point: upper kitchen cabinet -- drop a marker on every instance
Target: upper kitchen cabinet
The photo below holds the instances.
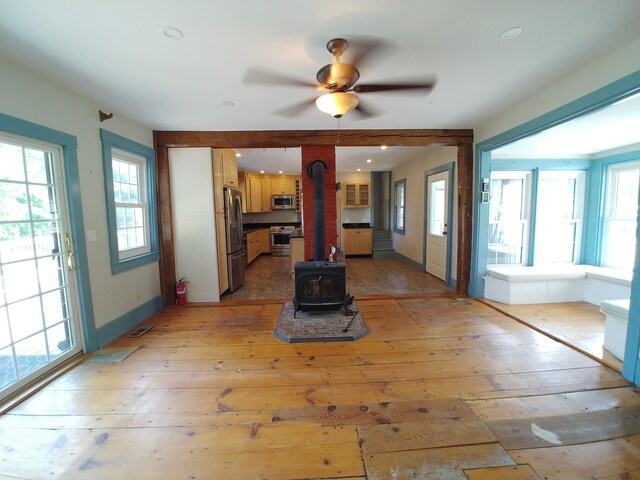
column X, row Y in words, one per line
column 229, row 167
column 257, row 194
column 285, row 185
column 356, row 195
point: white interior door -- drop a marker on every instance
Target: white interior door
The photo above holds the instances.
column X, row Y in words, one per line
column 437, row 215
column 38, row 315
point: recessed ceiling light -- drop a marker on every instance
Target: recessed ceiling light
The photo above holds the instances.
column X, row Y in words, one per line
column 358, row 170
column 280, row 171
column 228, row 104
column 261, row 171
column 510, row 33
column 238, row 155
column 383, row 147
column 173, row 32
column 368, row 160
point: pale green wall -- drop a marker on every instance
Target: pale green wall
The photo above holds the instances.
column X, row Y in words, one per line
column 31, row 97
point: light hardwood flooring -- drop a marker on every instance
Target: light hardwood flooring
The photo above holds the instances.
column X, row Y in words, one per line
column 579, row 324
column 269, row 277
column 441, row 388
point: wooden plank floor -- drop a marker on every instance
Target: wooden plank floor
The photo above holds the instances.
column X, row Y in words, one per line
column 441, row 388
column 579, row 324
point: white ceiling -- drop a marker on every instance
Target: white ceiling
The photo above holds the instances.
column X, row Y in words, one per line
column 116, row 53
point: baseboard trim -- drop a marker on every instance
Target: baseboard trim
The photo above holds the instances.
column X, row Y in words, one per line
column 126, row 322
column 409, row 261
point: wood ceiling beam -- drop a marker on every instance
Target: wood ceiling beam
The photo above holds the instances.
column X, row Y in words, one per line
column 297, row 138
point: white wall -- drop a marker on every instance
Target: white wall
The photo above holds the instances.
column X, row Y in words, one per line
column 33, row 98
column 614, row 66
column 411, row 244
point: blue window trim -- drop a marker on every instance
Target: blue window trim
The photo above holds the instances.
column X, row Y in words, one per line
column 69, row 145
column 396, row 184
column 109, row 142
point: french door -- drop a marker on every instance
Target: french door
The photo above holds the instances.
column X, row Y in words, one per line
column 39, row 326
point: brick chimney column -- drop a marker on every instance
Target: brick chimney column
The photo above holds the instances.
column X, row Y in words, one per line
column 326, row 153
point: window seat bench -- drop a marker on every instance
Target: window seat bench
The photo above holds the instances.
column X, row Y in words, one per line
column 615, row 327
column 556, row 283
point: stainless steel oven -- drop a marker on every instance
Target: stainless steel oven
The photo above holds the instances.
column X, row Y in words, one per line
column 280, row 240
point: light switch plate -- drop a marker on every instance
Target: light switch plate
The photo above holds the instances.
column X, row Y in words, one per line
column 92, row 236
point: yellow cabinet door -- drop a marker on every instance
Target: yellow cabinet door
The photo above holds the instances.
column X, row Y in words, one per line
column 356, row 195
column 230, row 171
column 283, row 185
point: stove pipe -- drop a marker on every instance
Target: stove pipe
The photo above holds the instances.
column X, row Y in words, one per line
column 316, row 171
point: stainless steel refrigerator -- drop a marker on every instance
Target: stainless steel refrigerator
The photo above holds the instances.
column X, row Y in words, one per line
column 236, row 251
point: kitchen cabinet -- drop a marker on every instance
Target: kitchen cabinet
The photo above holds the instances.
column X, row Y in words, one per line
column 258, row 242
column 258, row 194
column 223, row 272
column 227, row 164
column 230, row 170
column 357, row 241
column 218, row 184
column 264, row 240
column 252, row 246
column 283, row 185
column 296, row 244
column 356, row 195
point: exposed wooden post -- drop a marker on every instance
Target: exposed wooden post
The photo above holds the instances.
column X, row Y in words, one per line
column 465, row 213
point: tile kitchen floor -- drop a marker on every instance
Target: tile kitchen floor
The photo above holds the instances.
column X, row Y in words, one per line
column 268, row 277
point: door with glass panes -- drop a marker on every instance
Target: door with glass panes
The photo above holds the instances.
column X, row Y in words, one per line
column 38, row 314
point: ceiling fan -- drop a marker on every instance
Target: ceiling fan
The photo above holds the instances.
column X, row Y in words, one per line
column 339, row 80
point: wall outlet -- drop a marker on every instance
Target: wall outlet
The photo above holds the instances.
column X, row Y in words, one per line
column 346, row 220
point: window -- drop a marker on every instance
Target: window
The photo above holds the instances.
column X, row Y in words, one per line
column 558, row 217
column 621, row 214
column 399, row 199
column 130, row 192
column 508, row 218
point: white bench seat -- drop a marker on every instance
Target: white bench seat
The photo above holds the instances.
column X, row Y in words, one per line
column 556, row 283
column 615, row 328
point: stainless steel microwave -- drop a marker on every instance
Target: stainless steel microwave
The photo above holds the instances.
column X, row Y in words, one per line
column 283, row 202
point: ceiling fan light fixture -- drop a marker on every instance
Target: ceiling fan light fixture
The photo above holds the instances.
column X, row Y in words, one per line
column 337, row 104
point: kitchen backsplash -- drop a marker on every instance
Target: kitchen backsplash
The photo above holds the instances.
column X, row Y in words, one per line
column 271, row 217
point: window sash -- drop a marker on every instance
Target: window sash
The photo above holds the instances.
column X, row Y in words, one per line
column 399, row 195
column 131, row 205
column 620, row 216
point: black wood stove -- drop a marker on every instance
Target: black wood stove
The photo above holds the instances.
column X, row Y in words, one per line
column 320, row 284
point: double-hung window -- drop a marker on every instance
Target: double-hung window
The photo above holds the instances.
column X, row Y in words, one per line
column 559, row 209
column 621, row 215
column 509, row 217
column 130, row 192
column 399, row 197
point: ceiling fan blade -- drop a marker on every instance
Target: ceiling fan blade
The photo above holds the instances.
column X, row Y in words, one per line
column 264, row 77
column 296, row 109
column 386, row 87
column 363, row 50
column 364, row 110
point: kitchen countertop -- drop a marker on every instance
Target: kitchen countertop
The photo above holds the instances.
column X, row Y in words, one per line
column 247, row 227
column 356, row 225
column 297, row 233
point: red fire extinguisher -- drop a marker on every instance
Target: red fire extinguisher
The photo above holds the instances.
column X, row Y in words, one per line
column 181, row 291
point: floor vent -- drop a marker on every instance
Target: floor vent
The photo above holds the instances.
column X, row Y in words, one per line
column 140, row 331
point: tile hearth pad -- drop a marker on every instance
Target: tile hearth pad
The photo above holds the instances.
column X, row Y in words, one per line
column 324, row 326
